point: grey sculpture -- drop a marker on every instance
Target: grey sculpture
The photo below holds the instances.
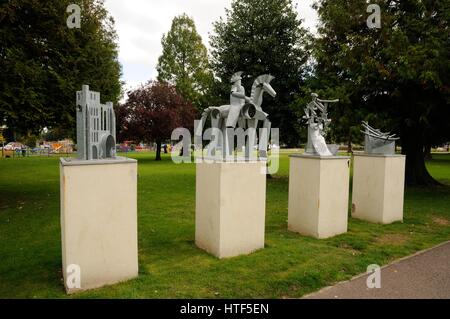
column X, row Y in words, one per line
column 96, row 126
column 316, row 116
column 243, row 112
column 377, row 142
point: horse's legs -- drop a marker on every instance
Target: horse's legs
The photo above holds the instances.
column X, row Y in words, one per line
column 251, row 131
column 223, row 142
column 215, row 121
column 264, row 138
column 199, row 131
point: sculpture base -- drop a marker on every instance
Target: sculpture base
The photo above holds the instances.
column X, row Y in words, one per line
column 378, row 187
column 98, row 221
column 230, row 207
column 318, row 195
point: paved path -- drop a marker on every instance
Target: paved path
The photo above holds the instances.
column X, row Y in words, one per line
column 423, row 275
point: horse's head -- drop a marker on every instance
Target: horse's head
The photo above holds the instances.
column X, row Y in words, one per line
column 269, row 89
column 261, row 85
column 263, row 82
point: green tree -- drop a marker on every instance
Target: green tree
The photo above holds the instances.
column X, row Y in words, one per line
column 264, row 36
column 184, row 62
column 43, row 62
column 397, row 77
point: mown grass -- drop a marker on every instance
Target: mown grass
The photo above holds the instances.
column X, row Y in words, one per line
column 171, row 266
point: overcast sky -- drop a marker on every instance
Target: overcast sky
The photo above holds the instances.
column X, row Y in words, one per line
column 140, row 25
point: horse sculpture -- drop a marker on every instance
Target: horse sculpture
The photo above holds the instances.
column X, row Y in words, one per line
column 242, row 115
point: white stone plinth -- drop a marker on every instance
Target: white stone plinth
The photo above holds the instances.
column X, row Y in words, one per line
column 99, row 221
column 378, row 187
column 230, row 207
column 318, row 195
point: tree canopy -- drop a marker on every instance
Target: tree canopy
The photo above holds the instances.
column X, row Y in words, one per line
column 258, row 37
column 397, row 76
column 152, row 112
column 43, row 62
column 184, row 62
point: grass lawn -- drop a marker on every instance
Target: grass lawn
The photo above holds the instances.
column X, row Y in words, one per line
column 171, row 266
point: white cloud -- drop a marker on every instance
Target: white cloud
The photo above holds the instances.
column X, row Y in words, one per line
column 140, row 25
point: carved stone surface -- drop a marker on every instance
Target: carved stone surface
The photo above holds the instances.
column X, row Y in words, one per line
column 96, row 126
column 318, row 195
column 378, row 187
column 377, row 142
column 244, row 113
column 316, row 115
column 99, row 221
column 230, row 219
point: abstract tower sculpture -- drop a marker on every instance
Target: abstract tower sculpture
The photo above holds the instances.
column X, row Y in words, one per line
column 96, row 126
column 377, row 142
column 316, row 115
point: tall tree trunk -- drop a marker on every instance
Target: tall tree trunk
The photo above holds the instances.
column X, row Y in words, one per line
column 349, row 143
column 158, row 150
column 427, row 152
column 416, row 172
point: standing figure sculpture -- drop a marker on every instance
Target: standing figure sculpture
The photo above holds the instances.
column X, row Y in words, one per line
column 96, row 126
column 243, row 112
column 316, row 115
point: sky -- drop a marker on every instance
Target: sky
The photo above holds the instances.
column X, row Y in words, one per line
column 140, row 25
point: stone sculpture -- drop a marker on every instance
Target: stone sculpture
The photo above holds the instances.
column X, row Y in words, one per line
column 243, row 112
column 316, row 116
column 96, row 126
column 377, row 142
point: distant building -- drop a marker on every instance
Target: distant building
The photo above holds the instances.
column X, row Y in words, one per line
column 96, row 126
column 62, row 146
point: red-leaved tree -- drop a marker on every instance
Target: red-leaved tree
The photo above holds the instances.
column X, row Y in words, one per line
column 152, row 112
